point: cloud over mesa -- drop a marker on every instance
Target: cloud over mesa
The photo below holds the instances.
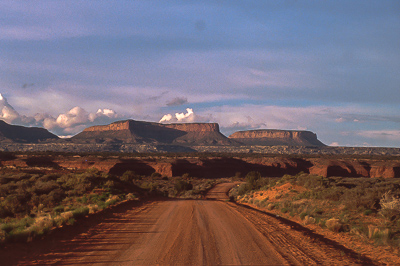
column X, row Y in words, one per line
column 68, row 123
column 179, row 117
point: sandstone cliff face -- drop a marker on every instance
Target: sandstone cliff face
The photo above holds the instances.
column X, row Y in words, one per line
column 131, row 124
column 117, row 126
column 132, row 131
column 277, row 137
column 194, row 127
column 216, row 167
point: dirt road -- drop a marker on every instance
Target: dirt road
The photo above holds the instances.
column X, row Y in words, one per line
column 192, row 232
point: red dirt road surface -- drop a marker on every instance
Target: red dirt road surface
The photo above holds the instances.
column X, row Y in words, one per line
column 185, row 232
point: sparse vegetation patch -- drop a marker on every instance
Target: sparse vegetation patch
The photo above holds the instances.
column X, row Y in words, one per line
column 366, row 207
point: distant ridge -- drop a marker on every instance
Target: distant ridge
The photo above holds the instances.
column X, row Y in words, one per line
column 141, row 132
column 131, row 135
column 20, row 134
column 275, row 137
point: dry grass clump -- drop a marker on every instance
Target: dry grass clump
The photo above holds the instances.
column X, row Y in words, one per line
column 366, row 207
column 390, row 206
column 131, row 196
column 63, row 218
column 93, row 208
column 333, row 224
column 42, row 223
column 309, row 220
column 380, row 234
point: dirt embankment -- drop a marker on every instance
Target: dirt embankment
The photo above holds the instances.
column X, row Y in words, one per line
column 215, row 167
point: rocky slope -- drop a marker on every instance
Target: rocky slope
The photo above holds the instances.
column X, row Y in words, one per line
column 11, row 133
column 273, row 137
column 131, row 131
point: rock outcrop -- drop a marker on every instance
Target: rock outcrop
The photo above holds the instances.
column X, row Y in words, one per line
column 20, row 134
column 131, row 131
column 273, row 137
column 211, row 167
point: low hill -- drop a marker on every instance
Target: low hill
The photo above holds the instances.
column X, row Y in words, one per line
column 274, row 137
column 20, row 134
column 141, row 132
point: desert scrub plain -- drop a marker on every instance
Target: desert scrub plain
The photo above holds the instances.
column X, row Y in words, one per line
column 34, row 203
column 364, row 209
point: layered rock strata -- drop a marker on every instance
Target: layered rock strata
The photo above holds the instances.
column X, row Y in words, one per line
column 131, row 131
column 274, row 137
column 216, row 167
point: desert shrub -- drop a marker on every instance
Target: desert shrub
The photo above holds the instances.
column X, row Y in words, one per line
column 93, row 208
column 99, row 198
column 254, row 181
column 185, row 176
column 390, row 206
column 128, row 176
column 368, row 212
column 284, row 210
column 303, row 215
column 309, row 220
column 80, row 212
column 130, row 196
column 379, row 235
column 13, row 205
column 256, row 202
column 63, row 218
column 59, row 209
column 334, row 193
column 312, row 181
column 57, row 195
column 155, row 175
column 112, row 200
column 42, row 224
column 359, row 197
column 109, row 184
column 182, row 185
column 263, row 202
column 244, row 188
column 6, row 189
column 334, row 224
column 149, row 186
column 322, row 223
column 48, row 177
column 252, row 178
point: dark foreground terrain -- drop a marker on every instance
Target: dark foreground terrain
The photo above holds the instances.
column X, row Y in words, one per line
column 183, row 232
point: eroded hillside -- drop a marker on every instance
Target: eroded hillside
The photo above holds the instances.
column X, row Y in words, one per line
column 213, row 167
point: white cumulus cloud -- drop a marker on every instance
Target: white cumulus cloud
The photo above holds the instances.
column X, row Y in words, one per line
column 69, row 123
column 166, row 118
column 189, row 116
column 7, row 113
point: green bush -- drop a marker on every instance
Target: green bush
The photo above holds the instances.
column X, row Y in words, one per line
column 129, row 176
column 59, row 209
column 80, row 212
column 252, row 178
column 182, row 185
column 155, row 175
column 284, row 210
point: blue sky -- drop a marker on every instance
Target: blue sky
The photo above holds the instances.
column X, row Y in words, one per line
column 332, row 67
